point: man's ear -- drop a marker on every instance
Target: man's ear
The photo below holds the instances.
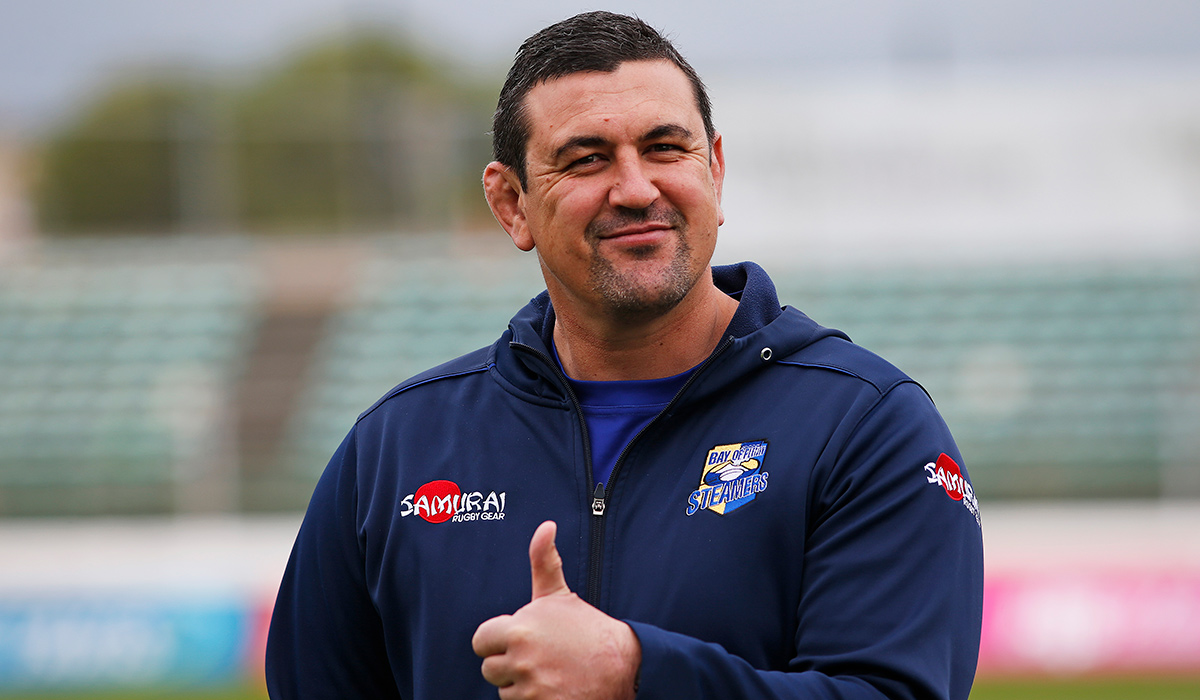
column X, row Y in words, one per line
column 716, row 164
column 506, row 199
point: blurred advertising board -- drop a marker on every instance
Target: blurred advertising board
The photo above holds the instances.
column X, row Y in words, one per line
column 99, row 642
column 1128, row 623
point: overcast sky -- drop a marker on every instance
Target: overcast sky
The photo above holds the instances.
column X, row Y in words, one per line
column 54, row 53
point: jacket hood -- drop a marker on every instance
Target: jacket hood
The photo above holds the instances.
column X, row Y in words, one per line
column 760, row 332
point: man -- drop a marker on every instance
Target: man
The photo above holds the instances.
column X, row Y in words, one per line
column 714, row 496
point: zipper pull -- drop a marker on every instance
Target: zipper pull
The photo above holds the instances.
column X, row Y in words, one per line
column 598, row 500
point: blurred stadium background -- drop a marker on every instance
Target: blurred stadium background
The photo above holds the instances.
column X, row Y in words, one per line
column 226, row 229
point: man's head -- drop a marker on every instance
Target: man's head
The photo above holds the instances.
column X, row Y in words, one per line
column 593, row 41
column 619, row 188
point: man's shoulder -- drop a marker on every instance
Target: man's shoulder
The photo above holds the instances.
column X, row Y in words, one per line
column 475, row 362
column 838, row 354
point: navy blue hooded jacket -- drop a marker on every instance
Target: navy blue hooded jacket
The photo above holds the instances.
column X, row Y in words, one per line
column 795, row 524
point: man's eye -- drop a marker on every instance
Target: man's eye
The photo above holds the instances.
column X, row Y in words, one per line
column 586, row 160
column 665, row 148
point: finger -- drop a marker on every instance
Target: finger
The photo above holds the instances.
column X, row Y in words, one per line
column 545, row 564
column 496, row 670
column 492, row 636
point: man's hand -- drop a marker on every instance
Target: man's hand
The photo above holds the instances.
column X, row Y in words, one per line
column 557, row 646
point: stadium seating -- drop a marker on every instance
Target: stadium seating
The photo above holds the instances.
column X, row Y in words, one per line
column 120, row 363
column 1055, row 382
column 115, row 367
column 409, row 314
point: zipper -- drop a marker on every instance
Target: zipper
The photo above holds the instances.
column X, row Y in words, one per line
column 598, row 500
column 602, row 492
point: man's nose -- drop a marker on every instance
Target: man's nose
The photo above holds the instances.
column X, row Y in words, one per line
column 633, row 188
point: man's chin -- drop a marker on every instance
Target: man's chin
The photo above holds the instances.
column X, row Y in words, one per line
column 643, row 291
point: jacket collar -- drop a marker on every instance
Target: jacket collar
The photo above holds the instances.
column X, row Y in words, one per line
column 523, row 359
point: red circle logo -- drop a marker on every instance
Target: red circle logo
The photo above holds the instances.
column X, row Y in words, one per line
column 437, row 501
column 950, row 477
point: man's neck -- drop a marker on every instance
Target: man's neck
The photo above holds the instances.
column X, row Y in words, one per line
column 606, row 349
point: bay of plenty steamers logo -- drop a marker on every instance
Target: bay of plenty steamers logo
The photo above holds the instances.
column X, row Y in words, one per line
column 733, row 476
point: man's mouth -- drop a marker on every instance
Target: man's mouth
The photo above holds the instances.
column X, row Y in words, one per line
column 644, row 227
column 649, row 230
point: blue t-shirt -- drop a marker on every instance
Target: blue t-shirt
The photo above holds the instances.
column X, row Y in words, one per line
column 616, row 411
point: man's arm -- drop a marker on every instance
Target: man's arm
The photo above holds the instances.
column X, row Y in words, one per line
column 326, row 639
column 891, row 597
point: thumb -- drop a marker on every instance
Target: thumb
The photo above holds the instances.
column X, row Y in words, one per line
column 545, row 564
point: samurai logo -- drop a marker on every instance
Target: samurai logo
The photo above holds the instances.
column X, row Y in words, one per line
column 946, row 473
column 732, row 477
column 440, row 501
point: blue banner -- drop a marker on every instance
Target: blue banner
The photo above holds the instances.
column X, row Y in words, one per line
column 49, row 643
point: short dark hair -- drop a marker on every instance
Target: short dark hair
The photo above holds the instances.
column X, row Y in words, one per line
column 591, row 41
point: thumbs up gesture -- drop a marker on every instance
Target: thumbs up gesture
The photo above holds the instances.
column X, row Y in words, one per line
column 557, row 646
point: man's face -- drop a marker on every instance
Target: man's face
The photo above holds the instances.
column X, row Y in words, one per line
column 623, row 196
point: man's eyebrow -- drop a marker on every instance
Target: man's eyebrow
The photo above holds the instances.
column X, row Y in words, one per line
column 579, row 142
column 668, row 131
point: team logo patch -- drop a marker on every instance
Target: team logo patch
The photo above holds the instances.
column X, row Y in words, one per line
column 946, row 473
column 441, row 500
column 733, row 476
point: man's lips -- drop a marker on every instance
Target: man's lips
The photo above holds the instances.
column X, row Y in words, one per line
column 638, row 231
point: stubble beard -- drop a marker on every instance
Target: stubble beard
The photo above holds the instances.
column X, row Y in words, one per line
column 641, row 292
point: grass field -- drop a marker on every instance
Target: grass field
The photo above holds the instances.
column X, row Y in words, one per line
column 237, row 693
column 985, row 689
column 1088, row 689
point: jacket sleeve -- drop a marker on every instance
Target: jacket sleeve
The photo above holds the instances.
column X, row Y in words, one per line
column 892, row 592
column 326, row 638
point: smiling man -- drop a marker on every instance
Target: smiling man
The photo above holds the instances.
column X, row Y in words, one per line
column 713, row 495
